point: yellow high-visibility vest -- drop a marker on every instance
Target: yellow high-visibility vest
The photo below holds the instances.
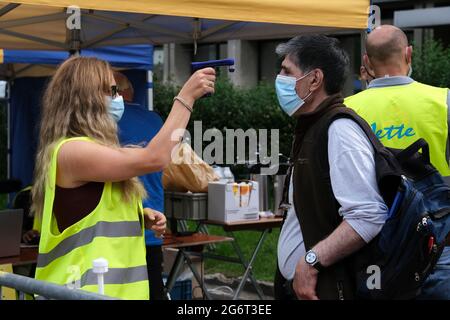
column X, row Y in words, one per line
column 114, row 230
column 399, row 115
column 37, row 223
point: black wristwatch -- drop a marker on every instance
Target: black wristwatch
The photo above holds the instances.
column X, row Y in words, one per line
column 312, row 259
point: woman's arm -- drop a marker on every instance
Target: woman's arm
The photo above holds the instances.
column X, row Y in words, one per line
column 83, row 161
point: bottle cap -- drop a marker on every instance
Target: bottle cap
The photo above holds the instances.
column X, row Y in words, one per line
column 100, row 265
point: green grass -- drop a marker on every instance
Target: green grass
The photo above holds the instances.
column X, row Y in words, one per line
column 3, row 201
column 266, row 261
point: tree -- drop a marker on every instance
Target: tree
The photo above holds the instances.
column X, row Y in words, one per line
column 431, row 64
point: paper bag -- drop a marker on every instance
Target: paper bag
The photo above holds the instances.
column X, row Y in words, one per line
column 187, row 172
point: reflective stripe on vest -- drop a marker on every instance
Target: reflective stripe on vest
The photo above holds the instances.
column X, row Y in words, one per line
column 113, row 230
column 400, row 115
column 86, row 236
column 116, row 276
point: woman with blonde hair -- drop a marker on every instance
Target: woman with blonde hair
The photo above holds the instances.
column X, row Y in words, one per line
column 86, row 192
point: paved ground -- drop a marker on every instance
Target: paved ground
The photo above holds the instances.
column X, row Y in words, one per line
column 222, row 288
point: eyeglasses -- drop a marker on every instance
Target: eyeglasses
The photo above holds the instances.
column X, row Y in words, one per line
column 114, row 91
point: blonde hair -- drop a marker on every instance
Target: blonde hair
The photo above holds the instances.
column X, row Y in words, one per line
column 74, row 105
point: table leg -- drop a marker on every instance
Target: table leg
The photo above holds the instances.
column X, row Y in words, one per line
column 248, row 266
column 174, row 271
column 204, row 229
column 196, row 275
column 183, row 225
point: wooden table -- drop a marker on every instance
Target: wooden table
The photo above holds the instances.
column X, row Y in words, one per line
column 195, row 240
column 27, row 255
column 263, row 225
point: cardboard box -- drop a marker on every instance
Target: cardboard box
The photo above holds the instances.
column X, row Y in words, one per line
column 231, row 202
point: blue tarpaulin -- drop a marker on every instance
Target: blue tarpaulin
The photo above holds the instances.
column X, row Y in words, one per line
column 26, row 94
column 130, row 57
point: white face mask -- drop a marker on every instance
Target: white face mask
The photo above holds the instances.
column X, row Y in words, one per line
column 288, row 98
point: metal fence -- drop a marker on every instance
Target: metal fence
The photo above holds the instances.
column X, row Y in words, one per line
column 44, row 290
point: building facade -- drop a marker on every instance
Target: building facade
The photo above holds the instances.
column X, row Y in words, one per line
column 256, row 61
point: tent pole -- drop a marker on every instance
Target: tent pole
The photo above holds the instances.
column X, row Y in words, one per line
column 363, row 38
column 32, row 38
column 211, row 31
column 140, row 25
column 73, row 41
column 9, row 7
column 8, row 132
column 105, row 36
column 150, row 90
column 73, row 37
column 33, row 20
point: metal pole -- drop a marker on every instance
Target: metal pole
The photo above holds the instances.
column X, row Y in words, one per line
column 177, row 265
column 47, row 289
column 363, row 37
column 8, row 133
column 183, row 225
column 150, row 90
column 196, row 275
column 248, row 266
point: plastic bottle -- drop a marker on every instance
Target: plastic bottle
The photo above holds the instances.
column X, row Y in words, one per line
column 228, row 175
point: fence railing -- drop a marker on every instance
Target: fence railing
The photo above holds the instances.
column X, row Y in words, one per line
column 24, row 285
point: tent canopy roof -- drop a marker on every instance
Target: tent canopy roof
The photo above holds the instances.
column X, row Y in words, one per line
column 23, row 63
column 137, row 56
column 41, row 24
column 331, row 13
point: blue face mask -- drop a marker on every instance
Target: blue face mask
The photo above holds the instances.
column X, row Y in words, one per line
column 289, row 101
column 116, row 107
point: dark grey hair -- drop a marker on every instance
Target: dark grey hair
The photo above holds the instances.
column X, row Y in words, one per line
column 310, row 52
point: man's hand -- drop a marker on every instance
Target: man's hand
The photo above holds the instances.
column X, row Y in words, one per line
column 305, row 281
column 155, row 221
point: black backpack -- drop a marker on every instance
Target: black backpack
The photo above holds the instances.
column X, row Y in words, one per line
column 398, row 261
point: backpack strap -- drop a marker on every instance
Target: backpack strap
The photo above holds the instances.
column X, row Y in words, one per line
column 388, row 168
column 409, row 152
column 284, row 205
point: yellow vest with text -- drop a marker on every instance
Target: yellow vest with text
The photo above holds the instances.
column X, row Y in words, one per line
column 114, row 230
column 399, row 115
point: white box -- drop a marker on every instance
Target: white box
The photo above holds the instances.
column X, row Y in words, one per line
column 227, row 204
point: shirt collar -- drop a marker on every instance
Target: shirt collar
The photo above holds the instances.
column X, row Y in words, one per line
column 390, row 81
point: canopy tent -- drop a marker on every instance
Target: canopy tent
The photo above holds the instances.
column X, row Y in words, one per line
column 27, row 89
column 34, row 63
column 129, row 57
column 41, row 24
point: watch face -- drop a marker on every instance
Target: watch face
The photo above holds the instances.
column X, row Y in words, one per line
column 311, row 257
